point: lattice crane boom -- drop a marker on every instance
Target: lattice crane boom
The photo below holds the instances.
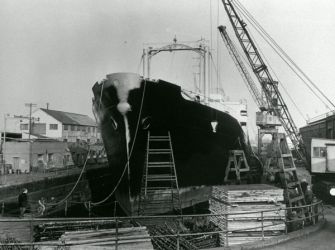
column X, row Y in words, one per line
column 256, row 95
column 275, row 100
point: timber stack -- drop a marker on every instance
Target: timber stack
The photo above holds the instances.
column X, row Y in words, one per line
column 243, row 205
column 126, row 238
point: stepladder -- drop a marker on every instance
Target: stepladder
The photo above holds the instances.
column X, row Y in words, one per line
column 237, row 164
column 159, row 187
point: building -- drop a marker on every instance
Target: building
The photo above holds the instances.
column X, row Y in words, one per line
column 63, row 126
column 34, row 155
column 321, row 128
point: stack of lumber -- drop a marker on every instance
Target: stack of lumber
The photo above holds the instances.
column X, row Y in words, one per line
column 132, row 238
column 53, row 230
column 243, row 204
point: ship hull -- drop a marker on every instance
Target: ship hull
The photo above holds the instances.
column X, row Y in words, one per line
column 127, row 107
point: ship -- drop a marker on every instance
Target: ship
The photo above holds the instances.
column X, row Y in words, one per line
column 128, row 106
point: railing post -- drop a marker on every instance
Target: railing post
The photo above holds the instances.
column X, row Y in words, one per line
column 323, row 211
column 226, row 224
column 115, row 208
column 31, row 230
column 262, row 221
column 116, row 233
column 65, row 209
column 2, row 208
column 178, row 243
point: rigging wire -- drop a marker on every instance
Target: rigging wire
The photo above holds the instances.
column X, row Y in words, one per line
column 274, row 72
column 216, row 71
column 281, row 53
column 139, row 65
column 217, row 46
column 211, row 46
column 131, row 151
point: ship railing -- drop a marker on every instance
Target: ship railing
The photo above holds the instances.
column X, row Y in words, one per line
column 178, row 238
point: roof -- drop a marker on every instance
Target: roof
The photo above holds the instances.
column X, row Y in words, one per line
column 70, row 118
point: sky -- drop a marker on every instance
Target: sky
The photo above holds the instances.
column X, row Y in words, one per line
column 53, row 51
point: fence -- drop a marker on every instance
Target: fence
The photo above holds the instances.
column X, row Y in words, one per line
column 177, row 238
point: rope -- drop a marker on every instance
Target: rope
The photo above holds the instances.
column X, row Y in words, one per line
column 75, row 185
column 131, row 151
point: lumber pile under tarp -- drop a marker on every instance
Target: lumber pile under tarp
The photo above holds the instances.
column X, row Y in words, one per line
column 132, row 238
column 243, row 204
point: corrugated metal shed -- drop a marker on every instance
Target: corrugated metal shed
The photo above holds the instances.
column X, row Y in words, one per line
column 70, row 118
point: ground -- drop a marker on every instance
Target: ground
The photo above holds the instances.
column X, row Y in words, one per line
column 320, row 240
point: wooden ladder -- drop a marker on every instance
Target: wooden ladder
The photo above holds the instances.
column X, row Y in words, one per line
column 159, row 186
column 237, row 163
column 294, row 195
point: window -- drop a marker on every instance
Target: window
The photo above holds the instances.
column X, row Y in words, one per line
column 89, row 129
column 40, row 157
column 243, row 113
column 72, row 128
column 24, row 126
column 78, row 128
column 53, row 126
column 83, row 128
column 319, row 152
column 50, row 157
column 66, row 127
column 65, row 140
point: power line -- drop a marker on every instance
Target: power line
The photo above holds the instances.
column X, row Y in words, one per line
column 261, row 30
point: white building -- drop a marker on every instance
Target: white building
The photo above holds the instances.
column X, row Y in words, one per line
column 64, row 126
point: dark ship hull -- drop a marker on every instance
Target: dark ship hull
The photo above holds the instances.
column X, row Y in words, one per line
column 127, row 106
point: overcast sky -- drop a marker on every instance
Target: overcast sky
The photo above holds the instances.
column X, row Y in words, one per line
column 55, row 50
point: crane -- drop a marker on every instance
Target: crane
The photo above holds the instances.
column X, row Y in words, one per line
column 277, row 105
column 256, row 95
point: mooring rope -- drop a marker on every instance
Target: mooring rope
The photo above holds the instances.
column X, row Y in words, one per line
column 130, row 154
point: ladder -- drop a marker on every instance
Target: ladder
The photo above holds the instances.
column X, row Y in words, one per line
column 159, row 187
column 237, row 163
column 293, row 193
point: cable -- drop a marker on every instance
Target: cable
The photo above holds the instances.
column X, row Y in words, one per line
column 216, row 71
column 131, row 151
column 139, row 65
column 217, row 47
column 253, row 20
column 75, row 185
column 274, row 72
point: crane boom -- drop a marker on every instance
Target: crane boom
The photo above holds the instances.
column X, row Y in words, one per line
column 269, row 86
column 256, row 95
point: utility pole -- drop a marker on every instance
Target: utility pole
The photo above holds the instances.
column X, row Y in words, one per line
column 30, row 105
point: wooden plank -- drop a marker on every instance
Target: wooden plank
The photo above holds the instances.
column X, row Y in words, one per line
column 248, row 225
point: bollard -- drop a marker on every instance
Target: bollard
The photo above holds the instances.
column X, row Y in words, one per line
column 262, row 220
